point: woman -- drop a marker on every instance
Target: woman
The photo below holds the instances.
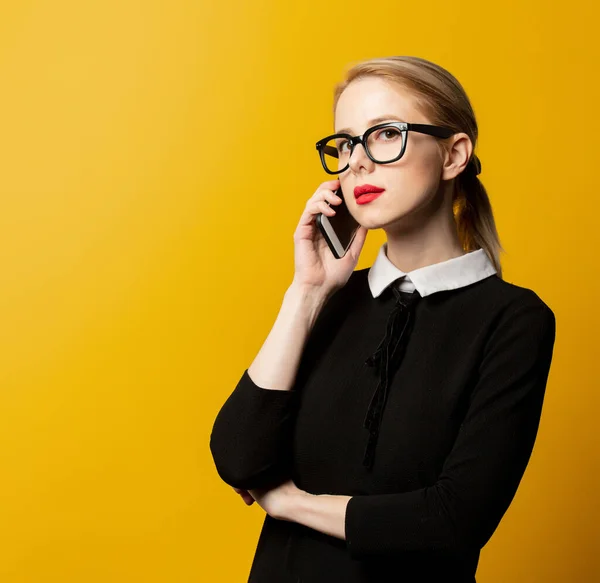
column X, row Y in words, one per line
column 386, row 422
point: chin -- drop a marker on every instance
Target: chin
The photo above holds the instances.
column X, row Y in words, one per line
column 381, row 218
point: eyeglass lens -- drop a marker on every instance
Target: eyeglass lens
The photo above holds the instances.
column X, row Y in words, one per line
column 384, row 145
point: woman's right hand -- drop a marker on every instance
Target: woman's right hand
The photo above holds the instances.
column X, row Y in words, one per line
column 315, row 264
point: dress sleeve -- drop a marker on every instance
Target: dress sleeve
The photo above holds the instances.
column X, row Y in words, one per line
column 252, row 434
column 481, row 474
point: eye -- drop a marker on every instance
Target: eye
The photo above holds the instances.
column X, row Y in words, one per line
column 340, row 145
column 389, row 134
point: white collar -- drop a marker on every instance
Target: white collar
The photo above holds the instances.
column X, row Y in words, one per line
column 450, row 274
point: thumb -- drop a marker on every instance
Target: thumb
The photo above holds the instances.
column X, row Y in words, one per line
column 357, row 244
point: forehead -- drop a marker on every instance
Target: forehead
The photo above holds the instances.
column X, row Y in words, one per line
column 369, row 98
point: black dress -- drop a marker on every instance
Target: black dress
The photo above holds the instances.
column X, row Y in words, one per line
column 423, row 409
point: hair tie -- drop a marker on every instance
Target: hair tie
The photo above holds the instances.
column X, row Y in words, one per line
column 476, row 164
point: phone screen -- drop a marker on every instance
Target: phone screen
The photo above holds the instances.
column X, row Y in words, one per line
column 343, row 222
column 339, row 230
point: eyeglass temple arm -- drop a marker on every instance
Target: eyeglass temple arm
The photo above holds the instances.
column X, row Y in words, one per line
column 436, row 131
column 330, row 150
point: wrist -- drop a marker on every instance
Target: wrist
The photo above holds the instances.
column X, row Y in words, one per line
column 323, row 512
column 297, row 504
column 308, row 299
column 317, row 293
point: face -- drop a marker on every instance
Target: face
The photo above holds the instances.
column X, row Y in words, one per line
column 413, row 183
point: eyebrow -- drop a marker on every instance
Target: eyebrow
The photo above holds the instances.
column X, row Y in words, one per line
column 372, row 122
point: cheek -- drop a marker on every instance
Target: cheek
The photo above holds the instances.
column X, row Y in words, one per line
column 422, row 154
column 410, row 188
column 412, row 181
column 418, row 172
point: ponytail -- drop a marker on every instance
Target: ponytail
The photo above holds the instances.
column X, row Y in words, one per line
column 474, row 216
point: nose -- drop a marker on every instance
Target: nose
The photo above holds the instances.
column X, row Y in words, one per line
column 359, row 159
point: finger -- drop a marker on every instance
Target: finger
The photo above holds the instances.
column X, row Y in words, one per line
column 245, row 495
column 357, row 244
column 335, row 182
column 324, row 194
column 312, row 209
column 361, row 235
column 248, row 499
column 322, row 207
column 332, row 197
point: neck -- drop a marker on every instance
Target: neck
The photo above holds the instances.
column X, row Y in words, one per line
column 424, row 241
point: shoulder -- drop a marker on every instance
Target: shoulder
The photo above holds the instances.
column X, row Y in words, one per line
column 491, row 296
column 517, row 311
column 512, row 297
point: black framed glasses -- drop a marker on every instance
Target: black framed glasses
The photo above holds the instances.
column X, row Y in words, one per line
column 384, row 143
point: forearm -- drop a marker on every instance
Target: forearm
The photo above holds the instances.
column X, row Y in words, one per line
column 276, row 364
column 252, row 433
column 324, row 512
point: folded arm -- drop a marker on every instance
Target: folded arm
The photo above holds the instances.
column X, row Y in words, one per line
column 483, row 470
column 252, row 433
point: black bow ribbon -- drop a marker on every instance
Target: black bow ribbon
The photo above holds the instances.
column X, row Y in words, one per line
column 386, row 360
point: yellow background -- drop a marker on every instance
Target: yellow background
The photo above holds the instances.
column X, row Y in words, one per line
column 154, row 160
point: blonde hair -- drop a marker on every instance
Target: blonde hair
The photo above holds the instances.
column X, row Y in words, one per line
column 440, row 97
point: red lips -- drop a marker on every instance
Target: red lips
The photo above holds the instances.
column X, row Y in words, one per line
column 366, row 188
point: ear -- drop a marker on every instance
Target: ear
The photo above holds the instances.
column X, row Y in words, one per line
column 457, row 155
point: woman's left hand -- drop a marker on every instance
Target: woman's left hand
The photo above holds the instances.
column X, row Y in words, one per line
column 277, row 502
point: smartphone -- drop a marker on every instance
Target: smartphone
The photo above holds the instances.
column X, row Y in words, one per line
column 340, row 229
